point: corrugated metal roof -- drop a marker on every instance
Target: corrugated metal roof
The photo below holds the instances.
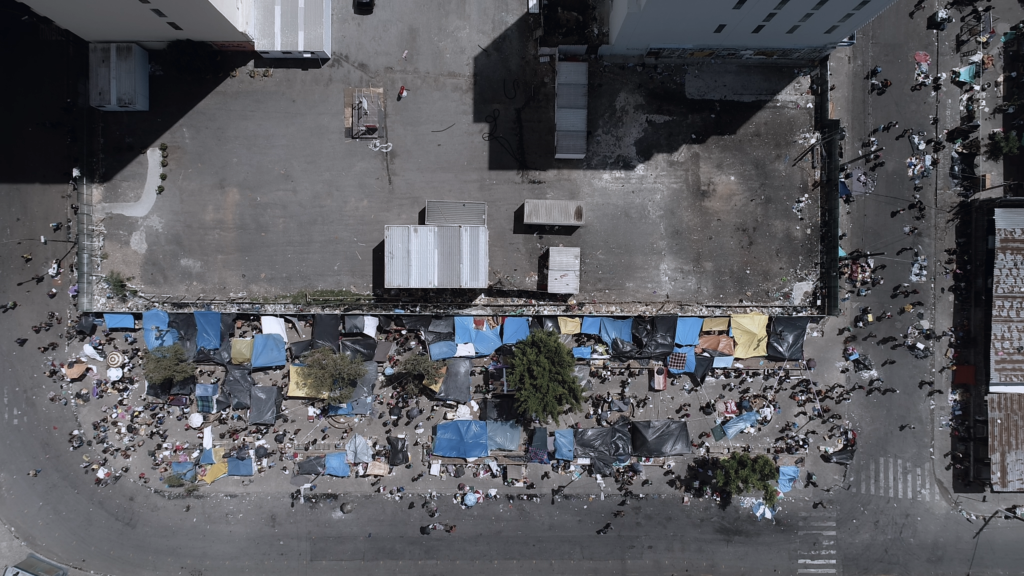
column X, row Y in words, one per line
column 571, row 145
column 571, row 110
column 99, row 74
column 570, row 120
column 554, row 212
column 435, row 257
column 292, row 25
column 572, row 96
column 1006, row 441
column 456, row 213
column 563, row 270
column 571, row 72
column 1006, row 348
column 563, row 281
column 564, row 258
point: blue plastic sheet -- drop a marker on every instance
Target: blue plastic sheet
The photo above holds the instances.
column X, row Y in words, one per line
column 612, row 329
column 207, row 457
column 343, row 410
column 688, row 331
column 514, row 330
column 208, row 330
column 155, row 331
column 238, row 467
column 463, row 329
column 582, row 351
column 461, row 439
column 114, row 321
column 206, row 389
column 565, row 444
column 486, row 341
column 739, row 424
column 335, row 464
column 722, row 362
column 186, row 470
column 443, row 350
column 788, row 475
column 268, row 350
column 591, row 325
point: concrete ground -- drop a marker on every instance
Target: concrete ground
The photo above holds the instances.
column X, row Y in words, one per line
column 689, row 198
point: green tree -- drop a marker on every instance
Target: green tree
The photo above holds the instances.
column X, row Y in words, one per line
column 419, row 368
column 328, row 373
column 167, row 364
column 739, row 473
column 541, row 373
column 1001, row 145
column 119, row 285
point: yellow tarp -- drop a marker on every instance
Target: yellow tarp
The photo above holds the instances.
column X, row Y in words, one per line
column 214, row 471
column 714, row 324
column 751, row 334
column 297, row 384
column 569, row 325
column 241, row 350
column 436, row 385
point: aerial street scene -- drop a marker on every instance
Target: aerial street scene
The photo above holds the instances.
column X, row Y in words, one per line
column 518, row 286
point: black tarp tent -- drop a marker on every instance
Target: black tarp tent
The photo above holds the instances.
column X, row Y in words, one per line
column 359, row 347
column 655, row 337
column 222, row 355
column 185, row 324
column 456, row 383
column 702, row 365
column 299, row 348
column 398, row 451
column 604, row 446
column 442, row 324
column 786, row 338
column 314, row 466
column 184, row 387
column 538, row 451
column 498, row 409
column 265, row 405
column 237, row 386
column 326, row 329
column 86, row 325
column 660, row 438
column 843, row 456
column 416, row 322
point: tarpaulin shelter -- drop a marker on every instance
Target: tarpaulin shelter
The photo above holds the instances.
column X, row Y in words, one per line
column 297, row 386
column 456, row 385
column 212, row 466
column 335, row 465
column 514, row 329
column 359, row 324
column 660, row 438
column 358, row 450
column 241, row 350
column 268, row 350
column 86, row 324
column 398, row 451
column 184, row 387
column 326, row 330
column 155, row 330
column 751, row 334
column 538, row 451
column 265, row 405
column 655, row 336
column 503, row 436
column 604, row 446
column 739, row 424
column 786, row 339
column 364, row 386
column 461, row 439
column 568, row 325
column 486, row 341
column 688, row 331
column 612, row 329
column 274, row 325
column 565, row 444
column 683, row 359
column 715, row 325
column 716, row 344
column 359, row 347
column 245, row 467
column 185, row 325
column 582, row 351
column 442, row 350
column 500, row 409
column 441, row 324
column 463, row 329
column 237, row 387
column 843, row 456
column 115, row 321
column 187, row 470
column 722, row 361
column 701, row 367
column 311, row 466
column 414, row 322
column 788, row 475
column 208, row 334
column 207, row 389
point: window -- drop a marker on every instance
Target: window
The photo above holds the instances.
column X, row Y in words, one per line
column 807, row 17
column 758, row 29
column 175, row 26
column 720, row 28
column 861, row 5
column 782, row 4
column 793, row 29
column 739, row 4
column 158, row 13
column 819, row 4
column 769, row 17
column 832, row 29
column 845, row 18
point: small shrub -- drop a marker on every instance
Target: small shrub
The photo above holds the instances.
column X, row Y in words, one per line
column 119, row 285
column 164, row 154
column 163, row 147
column 160, row 189
column 174, row 481
column 163, row 163
column 163, row 176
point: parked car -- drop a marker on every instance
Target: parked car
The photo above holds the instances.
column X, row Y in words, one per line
column 35, row 565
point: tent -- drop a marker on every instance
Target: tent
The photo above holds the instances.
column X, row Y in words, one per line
column 682, row 360
column 441, row 324
column 514, row 330
column 237, row 387
column 359, row 347
column 843, row 456
column 185, row 326
column 503, row 436
column 358, row 450
column 739, row 424
column 245, row 467
column 751, row 334
column 701, row 366
column 486, row 341
column 311, row 466
column 364, row 386
column 398, row 451
column 241, row 350
column 786, row 339
column 268, row 350
column 721, row 344
column 788, row 475
column 461, row 439
column 501, row 408
column 86, row 325
column 415, row 322
column 115, row 321
column 582, row 352
column 660, row 438
column 297, row 385
column 155, row 330
column 612, row 329
column 442, row 350
column 688, row 331
column 456, row 385
column 335, row 465
column 265, row 405
column 564, row 444
column 326, row 330
column 208, row 333
column 655, row 336
column 538, row 450
column 568, row 325
column 715, row 325
column 206, row 389
column 604, row 446
column 274, row 325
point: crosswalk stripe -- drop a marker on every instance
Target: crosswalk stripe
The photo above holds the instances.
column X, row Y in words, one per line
column 817, row 571
column 818, row 552
column 861, row 483
column 822, row 532
column 806, row 561
column 892, row 485
column 872, row 477
column 821, row 523
column 918, row 492
column 899, row 478
column 927, row 487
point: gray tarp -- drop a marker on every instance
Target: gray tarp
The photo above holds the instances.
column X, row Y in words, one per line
column 237, row 386
column 311, row 466
column 660, row 438
column 265, row 405
column 364, row 386
column 456, row 384
column 358, row 450
column 786, row 338
column 359, row 347
column 326, row 329
column 604, row 446
column 503, row 436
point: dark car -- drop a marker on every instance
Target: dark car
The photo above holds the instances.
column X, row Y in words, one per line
column 363, row 7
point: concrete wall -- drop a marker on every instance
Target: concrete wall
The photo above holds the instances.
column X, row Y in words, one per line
column 637, row 25
column 135, row 21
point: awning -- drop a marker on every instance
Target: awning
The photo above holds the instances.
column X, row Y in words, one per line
column 688, row 331
column 715, row 324
column 569, row 325
column 274, row 325
column 565, row 444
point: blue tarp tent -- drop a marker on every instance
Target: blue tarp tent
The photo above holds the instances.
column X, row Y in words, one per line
column 739, row 424
column 486, row 341
column 207, row 457
column 612, row 329
column 114, row 321
column 591, row 325
column 208, row 330
column 582, row 351
column 268, row 350
column 335, row 464
column 565, row 444
column 463, row 329
column 207, row 389
column 238, row 467
column 788, row 475
column 155, row 331
column 461, row 439
column 186, row 470
column 514, row 330
column 691, row 360
column 688, row 331
column 443, row 350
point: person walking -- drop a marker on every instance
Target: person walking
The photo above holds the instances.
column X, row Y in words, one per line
column 21, row 342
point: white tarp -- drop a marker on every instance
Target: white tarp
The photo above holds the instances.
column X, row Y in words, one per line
column 274, row 325
column 91, row 353
column 358, row 450
column 370, row 324
column 465, row 351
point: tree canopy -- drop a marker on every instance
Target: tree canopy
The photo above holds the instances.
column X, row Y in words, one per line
column 167, row 363
column 541, row 374
column 419, row 368
column 740, row 473
column 327, row 373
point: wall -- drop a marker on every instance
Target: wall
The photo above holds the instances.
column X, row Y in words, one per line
column 134, row 21
column 638, row 25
